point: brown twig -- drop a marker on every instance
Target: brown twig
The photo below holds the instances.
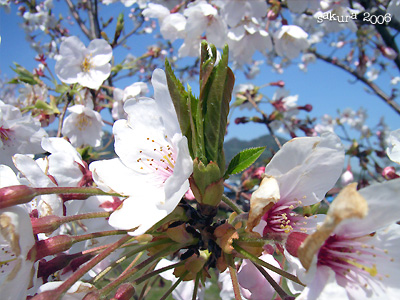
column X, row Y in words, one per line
column 78, row 19
column 381, row 94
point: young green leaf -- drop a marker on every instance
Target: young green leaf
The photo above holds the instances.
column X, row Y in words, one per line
column 179, row 98
column 243, row 160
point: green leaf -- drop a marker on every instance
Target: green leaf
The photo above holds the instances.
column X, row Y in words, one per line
column 217, row 108
column 179, row 98
column 24, row 75
column 243, row 160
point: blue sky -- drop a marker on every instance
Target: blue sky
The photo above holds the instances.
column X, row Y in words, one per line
column 325, row 87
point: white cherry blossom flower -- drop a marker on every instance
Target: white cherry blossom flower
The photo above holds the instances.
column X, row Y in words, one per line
column 18, row 134
column 304, row 169
column 246, row 39
column 290, row 40
column 120, row 96
column 83, row 126
column 154, row 162
column 393, row 149
column 16, row 239
column 87, row 66
column 234, row 11
column 201, row 17
column 360, row 258
column 172, row 26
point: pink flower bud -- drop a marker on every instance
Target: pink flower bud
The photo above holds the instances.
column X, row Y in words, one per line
column 347, row 178
column 272, row 15
column 307, row 107
column 388, row 52
column 46, row 224
column 279, row 83
column 389, row 173
column 242, row 120
column 124, row 292
column 16, row 194
column 51, row 246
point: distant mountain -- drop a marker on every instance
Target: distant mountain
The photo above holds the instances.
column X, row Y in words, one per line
column 234, row 146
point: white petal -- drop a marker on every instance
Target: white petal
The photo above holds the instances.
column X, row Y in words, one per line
column 306, row 168
column 101, row 52
column 112, row 175
column 393, row 151
column 383, row 209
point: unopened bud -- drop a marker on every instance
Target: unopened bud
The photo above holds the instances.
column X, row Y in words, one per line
column 46, row 224
column 16, row 194
column 51, row 246
column 241, row 120
column 389, row 173
column 347, row 177
column 124, row 292
column 279, row 83
column 388, row 52
column 307, row 107
column 272, row 15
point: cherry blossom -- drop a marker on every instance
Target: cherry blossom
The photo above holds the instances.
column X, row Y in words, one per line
column 201, row 17
column 120, row 96
column 290, row 40
column 241, row 37
column 172, row 26
column 83, row 126
column 18, row 134
column 298, row 168
column 393, row 150
column 87, row 66
column 234, row 11
column 154, row 162
column 359, row 259
column 16, row 239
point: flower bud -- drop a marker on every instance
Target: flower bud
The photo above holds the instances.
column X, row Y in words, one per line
column 241, row 120
column 124, row 292
column 51, row 246
column 279, row 83
column 347, row 177
column 46, row 224
column 16, row 194
column 389, row 173
column 388, row 52
column 307, row 107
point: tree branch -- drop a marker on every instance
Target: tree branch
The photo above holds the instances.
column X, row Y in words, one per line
column 381, row 94
column 78, row 19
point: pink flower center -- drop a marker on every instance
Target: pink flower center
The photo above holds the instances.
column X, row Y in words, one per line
column 158, row 159
column 282, row 218
column 353, row 259
column 4, row 134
